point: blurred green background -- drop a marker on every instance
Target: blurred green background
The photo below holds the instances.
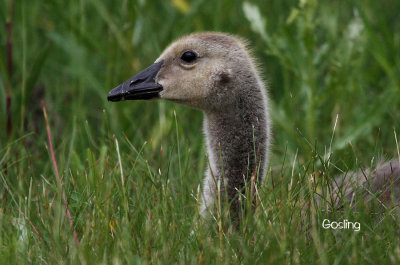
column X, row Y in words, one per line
column 328, row 64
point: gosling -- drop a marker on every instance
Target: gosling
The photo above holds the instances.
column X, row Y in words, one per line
column 214, row 72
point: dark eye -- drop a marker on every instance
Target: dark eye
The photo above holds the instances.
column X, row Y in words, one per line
column 189, row 57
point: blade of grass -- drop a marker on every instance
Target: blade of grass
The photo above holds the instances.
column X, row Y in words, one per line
column 60, row 183
column 397, row 144
column 9, row 44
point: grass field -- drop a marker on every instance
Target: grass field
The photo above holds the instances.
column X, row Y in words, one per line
column 131, row 172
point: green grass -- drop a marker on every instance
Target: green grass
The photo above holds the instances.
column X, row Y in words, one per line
column 322, row 59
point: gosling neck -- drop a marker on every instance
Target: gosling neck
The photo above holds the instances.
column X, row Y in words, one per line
column 237, row 141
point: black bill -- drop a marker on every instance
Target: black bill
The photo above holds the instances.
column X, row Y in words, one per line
column 140, row 86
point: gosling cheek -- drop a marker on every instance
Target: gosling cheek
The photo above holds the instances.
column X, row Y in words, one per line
column 172, row 92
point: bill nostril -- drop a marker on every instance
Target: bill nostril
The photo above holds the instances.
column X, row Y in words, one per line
column 133, row 82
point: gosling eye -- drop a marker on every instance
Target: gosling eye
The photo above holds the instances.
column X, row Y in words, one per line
column 189, row 57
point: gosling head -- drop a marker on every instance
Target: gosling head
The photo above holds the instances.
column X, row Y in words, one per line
column 202, row 70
